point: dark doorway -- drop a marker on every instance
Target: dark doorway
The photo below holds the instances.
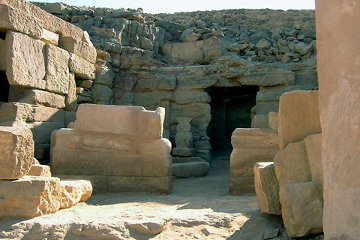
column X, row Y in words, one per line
column 230, row 109
column 4, row 87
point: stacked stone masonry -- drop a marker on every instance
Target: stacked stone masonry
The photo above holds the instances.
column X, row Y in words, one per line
column 117, row 148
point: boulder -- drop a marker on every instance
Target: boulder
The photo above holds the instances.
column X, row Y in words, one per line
column 267, row 188
column 74, row 191
column 29, row 197
column 298, row 116
column 17, row 152
column 39, row 170
column 190, row 169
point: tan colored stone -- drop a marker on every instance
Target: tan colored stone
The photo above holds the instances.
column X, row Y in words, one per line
column 29, row 197
column 190, row 97
column 298, row 116
column 301, row 209
column 81, row 67
column 25, row 17
column 74, row 191
column 260, row 121
column 16, row 152
column 190, row 169
column 98, row 182
column 34, row 96
column 79, row 48
column 50, row 37
column 2, row 55
column 39, row 170
column 266, row 107
column 254, row 138
column 57, row 70
column 71, row 97
column 267, row 188
column 268, row 79
column 186, row 52
column 187, row 159
column 156, row 82
column 273, row 120
column 25, row 60
column 139, row 184
column 42, row 130
column 141, row 123
column 101, row 93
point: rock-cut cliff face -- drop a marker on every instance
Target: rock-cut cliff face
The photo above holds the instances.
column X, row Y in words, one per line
column 210, row 66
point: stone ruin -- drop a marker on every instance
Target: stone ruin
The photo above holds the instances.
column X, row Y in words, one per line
column 240, row 79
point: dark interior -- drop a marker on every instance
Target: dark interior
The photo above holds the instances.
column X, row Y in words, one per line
column 4, row 87
column 230, row 109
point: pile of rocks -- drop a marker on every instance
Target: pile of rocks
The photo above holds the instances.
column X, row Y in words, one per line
column 26, row 188
column 292, row 185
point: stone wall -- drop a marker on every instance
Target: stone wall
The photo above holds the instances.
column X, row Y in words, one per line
column 338, row 30
column 172, row 60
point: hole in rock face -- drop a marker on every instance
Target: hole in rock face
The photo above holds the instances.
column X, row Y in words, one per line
column 4, row 87
column 230, row 109
column 2, row 35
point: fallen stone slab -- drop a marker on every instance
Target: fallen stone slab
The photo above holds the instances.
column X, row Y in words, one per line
column 267, row 188
column 190, row 169
column 29, row 197
column 39, row 170
column 74, row 191
column 16, row 152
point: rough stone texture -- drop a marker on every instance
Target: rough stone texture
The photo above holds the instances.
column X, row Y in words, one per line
column 74, row 191
column 71, row 97
column 57, row 70
column 267, row 188
column 39, row 170
column 34, row 96
column 273, row 120
column 50, row 37
column 298, row 116
column 139, row 184
column 79, row 48
column 132, row 151
column 249, row 146
column 260, row 121
column 16, row 152
column 98, row 182
column 29, row 197
column 25, row 71
column 190, row 169
column 81, row 67
column 339, row 86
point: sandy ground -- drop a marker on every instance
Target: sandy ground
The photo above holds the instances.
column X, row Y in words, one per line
column 198, row 208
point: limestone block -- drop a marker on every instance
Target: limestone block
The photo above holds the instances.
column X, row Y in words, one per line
column 55, row 8
column 273, row 120
column 214, row 48
column 298, row 116
column 198, row 82
column 29, row 197
column 102, row 93
column 260, row 121
column 57, row 70
column 30, row 19
column 2, row 55
column 183, row 152
column 34, row 96
column 137, row 122
column 301, row 209
column 139, row 184
column 150, row 99
column 98, row 182
column 79, row 48
column 190, row 169
column 184, row 140
column 82, row 68
column 266, row 107
column 156, row 82
column 199, row 112
column 268, row 79
column 50, row 37
column 291, row 164
column 25, row 64
column 184, row 52
column 270, row 94
column 105, row 76
column 267, row 188
column 39, row 170
column 74, row 191
column 16, row 152
column 254, row 138
column 187, row 159
column 46, row 114
column 42, row 130
column 190, row 97
column 14, row 112
column 71, row 97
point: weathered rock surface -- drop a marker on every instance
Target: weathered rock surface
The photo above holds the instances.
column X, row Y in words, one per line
column 190, row 169
column 267, row 188
column 17, row 152
column 39, row 170
column 74, row 191
column 29, row 197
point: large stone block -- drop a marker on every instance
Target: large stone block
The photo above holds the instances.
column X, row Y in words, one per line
column 74, row 191
column 16, row 152
column 25, row 60
column 42, row 130
column 190, row 97
column 29, row 197
column 71, row 97
column 137, row 122
column 267, row 188
column 268, row 79
column 101, row 93
column 50, row 37
column 79, row 48
column 185, row 52
column 298, row 116
column 254, row 138
column 99, row 182
column 139, row 184
column 81, row 67
column 301, row 209
column 34, row 96
column 260, row 121
column 57, row 70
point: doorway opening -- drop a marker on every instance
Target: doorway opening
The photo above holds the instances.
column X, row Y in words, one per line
column 4, row 87
column 230, row 109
